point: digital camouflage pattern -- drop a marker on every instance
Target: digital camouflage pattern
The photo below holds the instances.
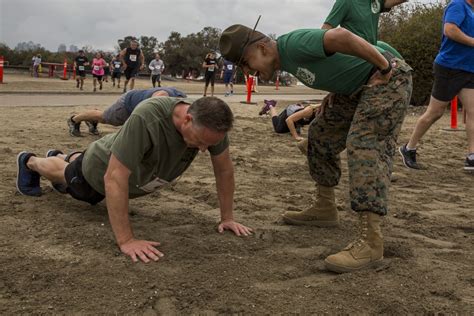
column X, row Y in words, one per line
column 367, row 123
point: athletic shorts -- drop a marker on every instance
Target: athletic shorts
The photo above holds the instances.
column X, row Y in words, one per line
column 116, row 75
column 279, row 123
column 99, row 77
column 116, row 114
column 227, row 77
column 448, row 82
column 210, row 76
column 81, row 73
column 77, row 185
column 131, row 72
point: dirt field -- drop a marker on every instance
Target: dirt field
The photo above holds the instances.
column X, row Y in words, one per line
column 59, row 255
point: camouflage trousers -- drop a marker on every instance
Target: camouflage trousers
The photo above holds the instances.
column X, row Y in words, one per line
column 367, row 123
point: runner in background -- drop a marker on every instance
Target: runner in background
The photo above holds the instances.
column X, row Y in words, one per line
column 80, row 63
column 133, row 60
column 156, row 66
column 98, row 65
column 116, row 68
column 210, row 64
column 227, row 73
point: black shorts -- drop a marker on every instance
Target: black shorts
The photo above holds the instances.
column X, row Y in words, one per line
column 77, row 185
column 81, row 73
column 448, row 82
column 98, row 77
column 130, row 72
column 279, row 123
column 210, row 76
column 116, row 75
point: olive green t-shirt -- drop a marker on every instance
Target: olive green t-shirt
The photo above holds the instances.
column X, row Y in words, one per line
column 148, row 144
column 361, row 17
column 302, row 54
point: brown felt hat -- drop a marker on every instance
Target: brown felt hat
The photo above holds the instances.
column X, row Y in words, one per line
column 235, row 39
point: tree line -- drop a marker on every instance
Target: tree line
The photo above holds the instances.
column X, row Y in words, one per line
column 181, row 54
column 413, row 29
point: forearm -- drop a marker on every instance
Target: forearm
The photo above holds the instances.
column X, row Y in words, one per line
column 225, row 191
column 343, row 41
column 455, row 34
column 116, row 194
column 292, row 128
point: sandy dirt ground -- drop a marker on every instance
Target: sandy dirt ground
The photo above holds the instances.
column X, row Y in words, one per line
column 59, row 256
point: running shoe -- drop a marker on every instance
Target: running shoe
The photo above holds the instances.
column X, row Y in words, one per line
column 74, row 128
column 92, row 127
column 469, row 164
column 58, row 187
column 409, row 157
column 266, row 108
column 27, row 180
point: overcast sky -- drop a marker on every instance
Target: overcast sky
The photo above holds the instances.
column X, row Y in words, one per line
column 100, row 23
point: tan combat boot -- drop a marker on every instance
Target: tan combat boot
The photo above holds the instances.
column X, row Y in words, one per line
column 362, row 253
column 322, row 214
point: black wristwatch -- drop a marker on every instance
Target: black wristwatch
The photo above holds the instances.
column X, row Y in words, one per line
column 386, row 70
column 388, row 56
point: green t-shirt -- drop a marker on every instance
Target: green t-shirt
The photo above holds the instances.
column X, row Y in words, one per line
column 148, row 144
column 302, row 54
column 361, row 17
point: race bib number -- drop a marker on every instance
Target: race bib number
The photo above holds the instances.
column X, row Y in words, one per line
column 210, row 68
column 230, row 67
column 96, row 68
column 81, row 68
column 156, row 184
column 133, row 57
column 117, row 66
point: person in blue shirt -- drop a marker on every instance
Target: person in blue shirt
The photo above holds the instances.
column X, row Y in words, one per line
column 227, row 74
column 454, row 75
column 120, row 111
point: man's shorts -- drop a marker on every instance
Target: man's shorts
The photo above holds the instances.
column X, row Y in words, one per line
column 116, row 114
column 227, row 77
column 116, row 75
column 209, row 77
column 279, row 123
column 448, row 82
column 77, row 185
column 130, row 72
column 81, row 73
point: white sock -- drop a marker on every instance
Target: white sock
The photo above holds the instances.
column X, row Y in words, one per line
column 470, row 156
column 410, row 149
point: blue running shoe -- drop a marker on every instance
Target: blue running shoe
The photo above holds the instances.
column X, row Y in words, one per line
column 58, row 187
column 469, row 165
column 27, row 180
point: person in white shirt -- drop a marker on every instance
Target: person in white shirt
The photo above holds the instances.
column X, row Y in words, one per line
column 156, row 66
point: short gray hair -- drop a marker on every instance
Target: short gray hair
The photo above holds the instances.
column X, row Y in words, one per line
column 212, row 113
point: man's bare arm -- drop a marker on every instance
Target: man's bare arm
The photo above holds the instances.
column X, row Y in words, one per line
column 327, row 26
column 224, row 173
column 116, row 196
column 343, row 41
column 453, row 32
column 391, row 3
column 122, row 57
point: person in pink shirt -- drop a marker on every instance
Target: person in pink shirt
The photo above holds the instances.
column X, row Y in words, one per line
column 98, row 64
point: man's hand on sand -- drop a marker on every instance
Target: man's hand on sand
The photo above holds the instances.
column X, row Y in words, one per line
column 238, row 229
column 143, row 249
